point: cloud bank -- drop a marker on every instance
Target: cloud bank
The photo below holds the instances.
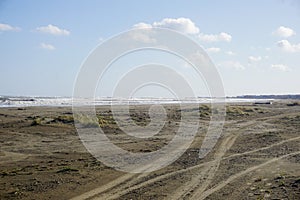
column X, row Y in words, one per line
column 186, row 26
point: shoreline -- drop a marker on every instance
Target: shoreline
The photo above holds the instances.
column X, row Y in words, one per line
column 53, row 101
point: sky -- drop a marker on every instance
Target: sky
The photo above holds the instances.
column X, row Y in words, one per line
column 254, row 44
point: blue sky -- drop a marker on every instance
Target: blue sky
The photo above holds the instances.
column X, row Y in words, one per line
column 254, row 44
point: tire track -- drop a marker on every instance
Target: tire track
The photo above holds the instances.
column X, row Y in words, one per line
column 124, row 183
column 168, row 175
column 207, row 173
column 130, row 182
column 104, row 188
column 240, row 174
column 191, row 186
column 202, row 187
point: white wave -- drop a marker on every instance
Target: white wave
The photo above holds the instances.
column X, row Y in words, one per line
column 12, row 101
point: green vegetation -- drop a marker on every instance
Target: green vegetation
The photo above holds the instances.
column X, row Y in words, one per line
column 66, row 119
column 231, row 111
column 236, row 111
column 139, row 118
column 105, row 121
column 205, row 111
column 36, row 121
column 293, row 104
column 86, row 121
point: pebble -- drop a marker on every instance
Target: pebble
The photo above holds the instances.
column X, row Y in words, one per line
column 252, row 188
column 250, row 194
column 267, row 195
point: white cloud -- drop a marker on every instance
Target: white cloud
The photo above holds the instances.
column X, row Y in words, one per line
column 187, row 26
column 199, row 58
column 54, row 30
column 231, row 64
column 288, row 47
column 142, row 36
column 47, row 46
column 230, row 53
column 253, row 59
column 7, row 27
column 184, row 25
column 100, row 39
column 142, row 25
column 215, row 37
column 280, row 67
column 213, row 50
column 284, row 32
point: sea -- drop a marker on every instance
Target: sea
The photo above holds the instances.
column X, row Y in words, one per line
column 21, row 101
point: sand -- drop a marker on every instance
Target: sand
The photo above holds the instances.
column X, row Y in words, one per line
column 257, row 156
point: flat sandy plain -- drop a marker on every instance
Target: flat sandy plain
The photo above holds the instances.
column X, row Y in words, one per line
column 257, row 156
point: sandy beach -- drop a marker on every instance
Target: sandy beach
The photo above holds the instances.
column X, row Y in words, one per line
column 257, row 156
